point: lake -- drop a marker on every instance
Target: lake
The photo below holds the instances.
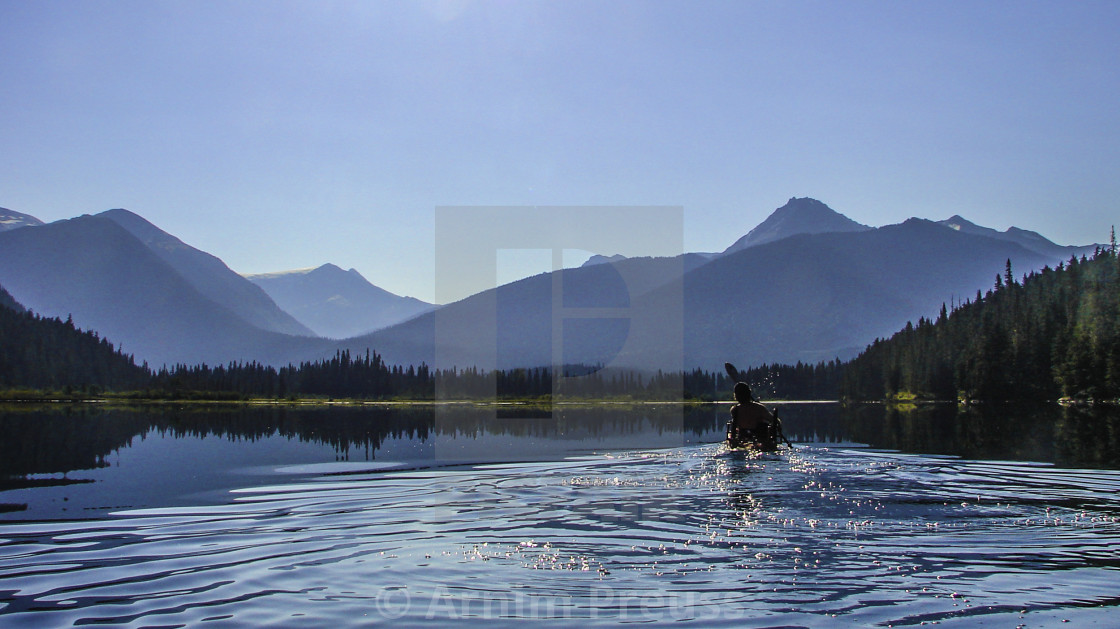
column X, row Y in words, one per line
column 291, row 516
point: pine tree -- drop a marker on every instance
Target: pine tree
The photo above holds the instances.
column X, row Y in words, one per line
column 1057, row 333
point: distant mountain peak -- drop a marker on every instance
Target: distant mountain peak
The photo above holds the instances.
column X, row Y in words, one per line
column 1031, row 240
column 143, row 229
column 335, row 269
column 958, row 223
column 327, row 269
column 601, row 259
column 914, row 220
column 209, row 275
column 11, row 219
column 336, row 303
column 803, row 215
column 962, row 224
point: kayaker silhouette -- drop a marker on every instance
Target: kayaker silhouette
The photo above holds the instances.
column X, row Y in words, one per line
column 751, row 423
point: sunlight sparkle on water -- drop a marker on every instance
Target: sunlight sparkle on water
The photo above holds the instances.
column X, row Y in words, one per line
column 691, row 533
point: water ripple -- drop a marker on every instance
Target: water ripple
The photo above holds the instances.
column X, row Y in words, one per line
column 695, row 533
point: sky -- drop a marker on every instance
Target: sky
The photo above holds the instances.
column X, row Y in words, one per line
column 280, row 135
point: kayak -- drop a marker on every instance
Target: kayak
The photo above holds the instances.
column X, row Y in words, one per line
column 763, row 443
column 755, row 445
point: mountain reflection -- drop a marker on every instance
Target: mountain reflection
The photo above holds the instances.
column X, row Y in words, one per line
column 53, row 439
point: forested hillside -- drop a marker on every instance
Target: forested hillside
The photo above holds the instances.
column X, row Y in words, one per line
column 1054, row 334
column 50, row 355
column 44, row 353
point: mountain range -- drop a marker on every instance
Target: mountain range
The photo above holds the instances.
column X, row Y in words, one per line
column 806, row 284
column 808, row 297
column 337, row 304
column 1033, row 241
column 106, row 279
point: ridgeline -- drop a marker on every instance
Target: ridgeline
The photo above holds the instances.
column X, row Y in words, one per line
column 1054, row 334
column 45, row 358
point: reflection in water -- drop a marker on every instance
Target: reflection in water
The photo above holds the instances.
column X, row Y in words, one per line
column 53, row 439
column 99, row 458
column 1076, row 436
column 824, row 534
column 146, row 456
column 63, row 438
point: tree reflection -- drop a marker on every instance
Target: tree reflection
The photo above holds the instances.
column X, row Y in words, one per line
column 54, row 439
column 1069, row 436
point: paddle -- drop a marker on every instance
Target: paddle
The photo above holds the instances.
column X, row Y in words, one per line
column 778, row 429
column 737, row 376
column 732, row 372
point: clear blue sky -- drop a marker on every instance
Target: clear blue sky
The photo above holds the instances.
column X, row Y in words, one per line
column 279, row 135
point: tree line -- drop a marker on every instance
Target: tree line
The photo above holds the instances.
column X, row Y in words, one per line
column 49, row 355
column 1055, row 333
column 369, row 377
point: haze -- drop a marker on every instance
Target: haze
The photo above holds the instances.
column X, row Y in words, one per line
column 281, row 135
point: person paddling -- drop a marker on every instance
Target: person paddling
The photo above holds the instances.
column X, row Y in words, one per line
column 750, row 421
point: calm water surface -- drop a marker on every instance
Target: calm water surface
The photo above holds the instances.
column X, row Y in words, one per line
column 368, row 517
